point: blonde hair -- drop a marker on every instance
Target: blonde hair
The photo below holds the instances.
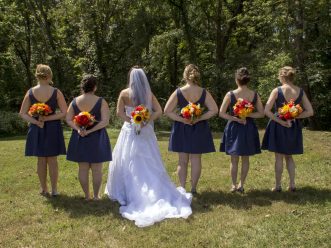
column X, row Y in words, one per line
column 43, row 72
column 287, row 72
column 187, row 74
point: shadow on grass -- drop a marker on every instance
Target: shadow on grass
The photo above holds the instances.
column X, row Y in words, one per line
column 302, row 196
column 77, row 207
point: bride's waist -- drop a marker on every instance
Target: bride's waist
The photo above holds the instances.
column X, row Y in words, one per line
column 127, row 126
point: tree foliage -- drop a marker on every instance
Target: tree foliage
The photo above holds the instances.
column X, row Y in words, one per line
column 107, row 37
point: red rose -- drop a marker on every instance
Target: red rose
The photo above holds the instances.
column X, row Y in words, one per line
column 83, row 120
column 186, row 115
column 288, row 116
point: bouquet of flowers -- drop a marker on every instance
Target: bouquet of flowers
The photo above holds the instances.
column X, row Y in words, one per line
column 84, row 120
column 289, row 111
column 139, row 115
column 243, row 108
column 40, row 109
column 191, row 111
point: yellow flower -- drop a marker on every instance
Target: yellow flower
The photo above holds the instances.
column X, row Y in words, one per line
column 137, row 119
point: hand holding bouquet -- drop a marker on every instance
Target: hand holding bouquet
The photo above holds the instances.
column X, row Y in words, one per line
column 38, row 110
column 243, row 108
column 191, row 111
column 289, row 111
column 140, row 115
column 84, row 120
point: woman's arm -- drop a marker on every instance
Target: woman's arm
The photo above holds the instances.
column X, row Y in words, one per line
column 120, row 108
column 25, row 109
column 70, row 118
column 260, row 110
column 70, row 121
column 62, row 106
column 308, row 109
column 272, row 98
column 223, row 110
column 211, row 106
column 171, row 106
column 104, row 122
column 157, row 110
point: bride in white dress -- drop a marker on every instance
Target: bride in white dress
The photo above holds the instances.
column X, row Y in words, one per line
column 137, row 178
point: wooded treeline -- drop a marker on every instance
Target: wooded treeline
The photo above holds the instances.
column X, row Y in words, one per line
column 108, row 37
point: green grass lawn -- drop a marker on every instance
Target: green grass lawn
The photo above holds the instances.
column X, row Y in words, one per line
column 258, row 218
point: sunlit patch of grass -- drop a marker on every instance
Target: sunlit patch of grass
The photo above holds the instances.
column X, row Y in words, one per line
column 259, row 218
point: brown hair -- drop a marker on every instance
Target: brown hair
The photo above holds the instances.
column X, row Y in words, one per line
column 88, row 83
column 196, row 76
column 287, row 72
column 43, row 72
column 242, row 76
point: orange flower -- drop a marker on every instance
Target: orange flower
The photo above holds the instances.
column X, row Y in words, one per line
column 40, row 109
column 289, row 111
column 243, row 108
column 84, row 119
column 191, row 111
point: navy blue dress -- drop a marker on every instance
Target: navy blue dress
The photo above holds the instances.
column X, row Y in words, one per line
column 239, row 139
column 47, row 141
column 283, row 139
column 194, row 139
column 93, row 148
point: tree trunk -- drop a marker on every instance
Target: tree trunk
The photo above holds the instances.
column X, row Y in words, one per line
column 186, row 27
column 47, row 26
column 222, row 39
column 300, row 53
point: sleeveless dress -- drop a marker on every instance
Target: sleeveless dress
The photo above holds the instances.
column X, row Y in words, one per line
column 93, row 148
column 282, row 139
column 239, row 139
column 194, row 139
column 138, row 180
column 47, row 141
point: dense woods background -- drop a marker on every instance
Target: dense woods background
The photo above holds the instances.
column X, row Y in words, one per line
column 108, row 37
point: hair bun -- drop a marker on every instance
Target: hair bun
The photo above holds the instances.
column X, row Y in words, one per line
column 88, row 83
column 242, row 76
column 43, row 72
column 187, row 76
column 287, row 72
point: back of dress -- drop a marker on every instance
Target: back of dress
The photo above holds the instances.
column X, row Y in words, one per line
column 47, row 141
column 280, row 139
column 94, row 147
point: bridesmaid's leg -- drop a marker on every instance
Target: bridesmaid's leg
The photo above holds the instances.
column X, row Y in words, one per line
column 97, row 179
column 234, row 171
column 244, row 171
column 278, row 170
column 42, row 174
column 195, row 170
column 83, row 178
column 53, row 173
column 291, row 171
column 182, row 168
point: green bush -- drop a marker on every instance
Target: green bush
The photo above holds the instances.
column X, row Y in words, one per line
column 12, row 124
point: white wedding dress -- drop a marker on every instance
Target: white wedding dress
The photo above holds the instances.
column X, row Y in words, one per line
column 138, row 180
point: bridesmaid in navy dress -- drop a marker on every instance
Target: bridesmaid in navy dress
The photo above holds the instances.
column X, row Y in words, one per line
column 190, row 139
column 45, row 136
column 285, row 137
column 241, row 137
column 89, row 147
